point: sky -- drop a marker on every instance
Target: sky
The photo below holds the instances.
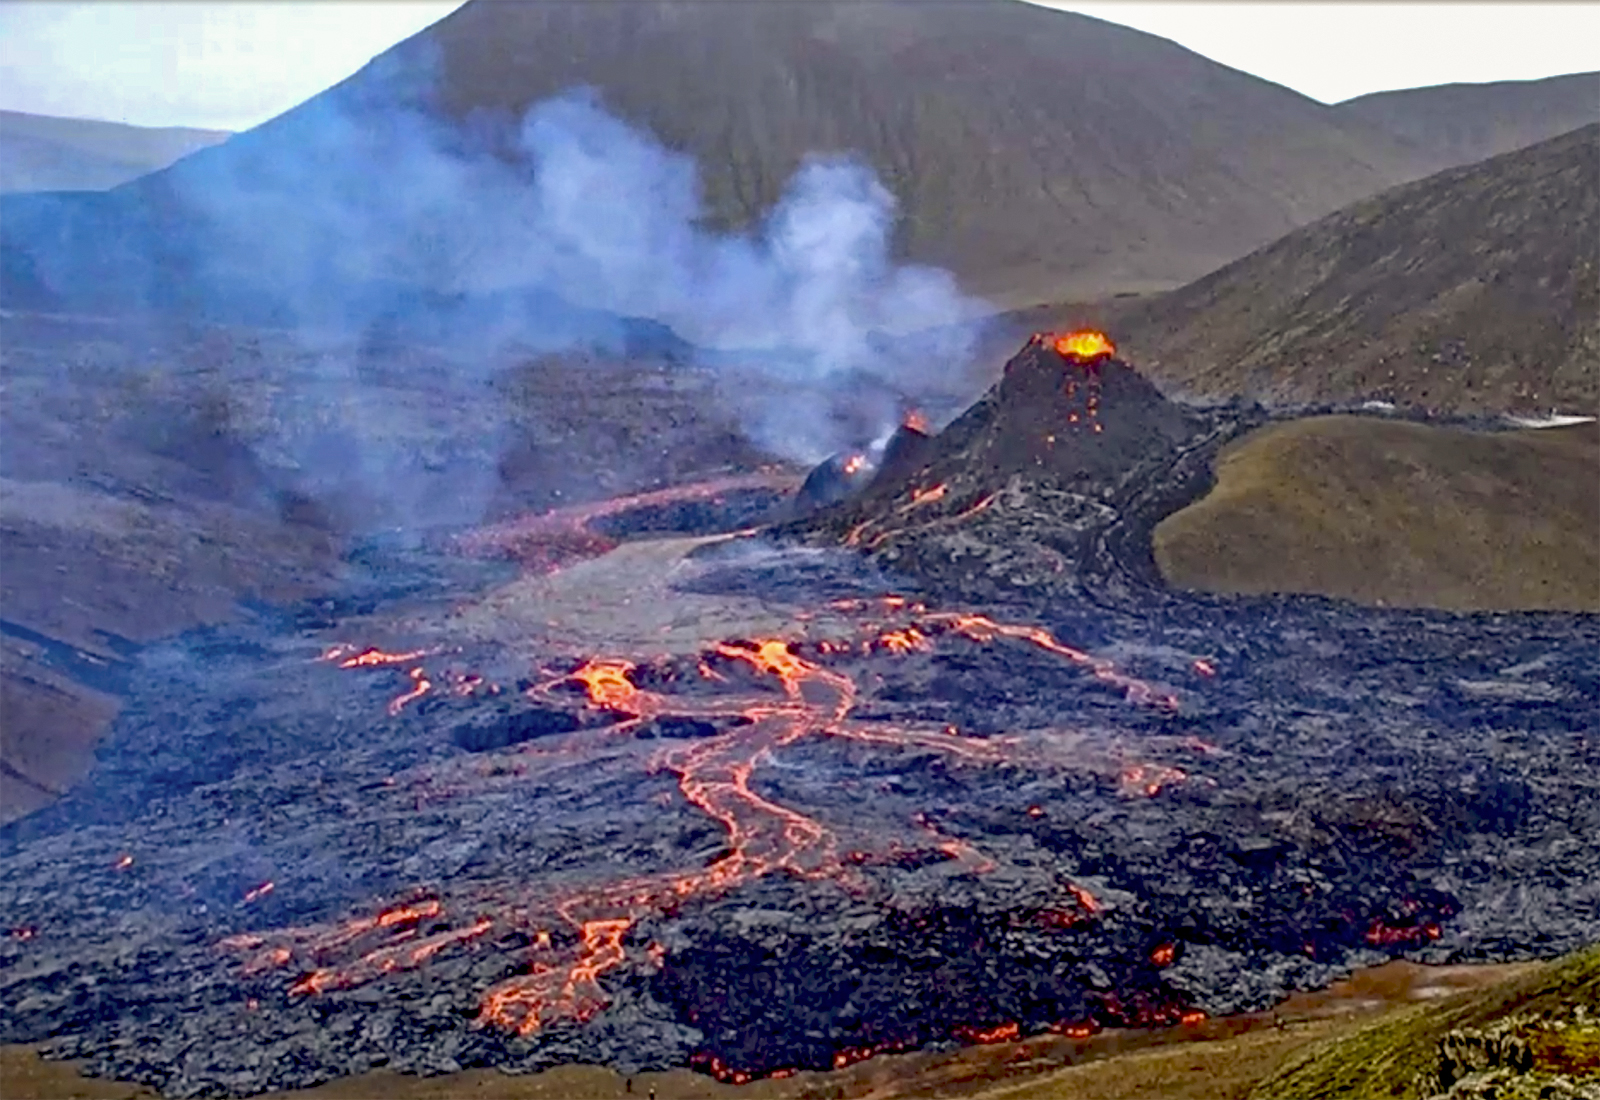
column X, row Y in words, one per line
column 233, row 65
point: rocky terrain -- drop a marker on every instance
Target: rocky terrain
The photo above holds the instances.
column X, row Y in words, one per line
column 154, row 479
column 374, row 832
column 431, row 643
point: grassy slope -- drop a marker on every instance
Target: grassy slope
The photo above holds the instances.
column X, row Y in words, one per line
column 1385, row 1059
column 1396, row 513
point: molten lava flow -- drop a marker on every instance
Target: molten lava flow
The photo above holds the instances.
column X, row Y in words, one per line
column 1085, row 345
column 854, row 464
column 420, row 686
column 983, row 629
column 547, row 542
column 1381, row 933
column 928, row 495
column 350, row 657
column 607, row 683
column 903, row 641
column 1005, row 1033
column 915, row 421
column 1149, row 779
column 768, row 694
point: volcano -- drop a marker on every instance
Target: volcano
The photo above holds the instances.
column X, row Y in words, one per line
column 1031, row 477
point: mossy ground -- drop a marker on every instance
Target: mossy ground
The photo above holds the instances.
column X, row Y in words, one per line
column 1390, row 513
column 1393, row 1057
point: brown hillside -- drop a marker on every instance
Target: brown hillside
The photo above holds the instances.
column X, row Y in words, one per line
column 1387, row 512
column 1038, row 154
column 1454, row 124
column 1475, row 289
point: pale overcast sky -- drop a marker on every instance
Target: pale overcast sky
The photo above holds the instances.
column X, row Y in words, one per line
column 233, row 65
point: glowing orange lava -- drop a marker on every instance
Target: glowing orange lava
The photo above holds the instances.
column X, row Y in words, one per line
column 915, row 421
column 1085, row 345
column 350, row 657
column 420, row 686
column 1005, row 1033
column 607, row 683
column 1149, row 779
column 775, row 694
column 853, row 464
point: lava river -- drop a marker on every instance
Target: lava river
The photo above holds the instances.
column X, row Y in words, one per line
column 787, row 692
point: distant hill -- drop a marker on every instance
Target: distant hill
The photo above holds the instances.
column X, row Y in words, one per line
column 46, row 153
column 1476, row 289
column 1455, row 124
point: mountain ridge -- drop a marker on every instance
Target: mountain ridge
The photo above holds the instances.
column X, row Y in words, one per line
column 1457, row 124
column 1089, row 158
column 60, row 153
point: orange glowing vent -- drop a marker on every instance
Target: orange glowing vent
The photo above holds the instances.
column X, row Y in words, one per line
column 1086, row 344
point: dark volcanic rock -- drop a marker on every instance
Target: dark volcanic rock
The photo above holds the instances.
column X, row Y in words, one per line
column 1072, row 421
column 832, row 480
column 1022, row 494
column 1165, row 804
column 907, row 451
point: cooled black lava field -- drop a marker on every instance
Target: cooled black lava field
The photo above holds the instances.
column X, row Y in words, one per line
column 931, row 821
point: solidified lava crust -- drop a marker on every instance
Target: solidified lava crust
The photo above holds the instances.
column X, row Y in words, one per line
column 1076, row 800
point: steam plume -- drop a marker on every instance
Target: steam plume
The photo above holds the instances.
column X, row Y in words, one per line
column 362, row 215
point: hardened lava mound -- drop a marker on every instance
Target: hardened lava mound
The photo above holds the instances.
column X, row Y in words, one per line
column 903, row 820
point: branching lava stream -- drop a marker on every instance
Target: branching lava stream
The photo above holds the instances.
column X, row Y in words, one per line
column 577, row 938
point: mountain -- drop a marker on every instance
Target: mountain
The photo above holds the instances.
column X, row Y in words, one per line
column 1037, row 154
column 46, row 153
column 1476, row 289
column 1455, row 124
